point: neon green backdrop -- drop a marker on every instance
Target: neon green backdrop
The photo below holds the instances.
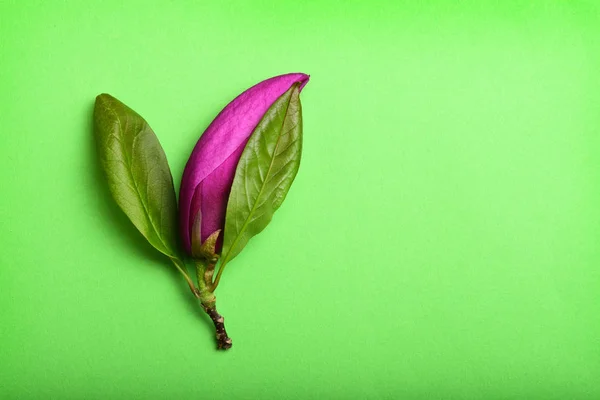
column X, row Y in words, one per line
column 441, row 239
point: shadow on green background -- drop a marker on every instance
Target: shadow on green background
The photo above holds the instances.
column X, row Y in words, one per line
column 440, row 240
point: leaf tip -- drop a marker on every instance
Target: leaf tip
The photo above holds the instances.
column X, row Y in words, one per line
column 105, row 98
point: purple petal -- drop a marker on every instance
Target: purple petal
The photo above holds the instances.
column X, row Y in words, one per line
column 209, row 172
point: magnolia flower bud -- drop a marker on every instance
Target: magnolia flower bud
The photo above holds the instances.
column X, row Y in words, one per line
column 209, row 173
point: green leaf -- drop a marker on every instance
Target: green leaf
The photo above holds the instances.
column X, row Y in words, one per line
column 264, row 174
column 138, row 174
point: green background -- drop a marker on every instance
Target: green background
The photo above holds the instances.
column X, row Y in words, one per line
column 441, row 239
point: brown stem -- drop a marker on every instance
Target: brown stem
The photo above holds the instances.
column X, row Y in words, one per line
column 223, row 341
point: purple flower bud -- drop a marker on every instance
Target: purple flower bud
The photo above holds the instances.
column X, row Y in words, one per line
column 209, row 172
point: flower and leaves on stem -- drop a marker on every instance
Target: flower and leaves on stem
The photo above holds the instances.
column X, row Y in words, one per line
column 237, row 176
